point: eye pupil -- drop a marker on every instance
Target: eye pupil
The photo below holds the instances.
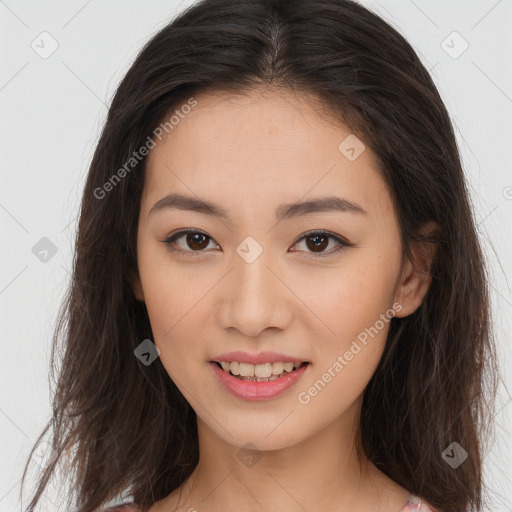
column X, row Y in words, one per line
column 194, row 243
column 318, row 245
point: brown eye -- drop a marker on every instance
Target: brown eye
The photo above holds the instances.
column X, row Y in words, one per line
column 194, row 242
column 316, row 242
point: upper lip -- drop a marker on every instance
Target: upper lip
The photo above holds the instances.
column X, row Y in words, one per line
column 259, row 358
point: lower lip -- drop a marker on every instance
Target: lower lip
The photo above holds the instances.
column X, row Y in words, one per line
column 249, row 390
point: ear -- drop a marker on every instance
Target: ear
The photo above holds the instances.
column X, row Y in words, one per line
column 136, row 285
column 416, row 278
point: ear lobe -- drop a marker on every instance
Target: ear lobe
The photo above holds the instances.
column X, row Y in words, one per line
column 416, row 276
column 136, row 285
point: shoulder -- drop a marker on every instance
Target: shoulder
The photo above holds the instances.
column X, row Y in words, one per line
column 416, row 504
column 125, row 507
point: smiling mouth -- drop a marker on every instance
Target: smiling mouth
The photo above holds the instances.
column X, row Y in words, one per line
column 266, row 372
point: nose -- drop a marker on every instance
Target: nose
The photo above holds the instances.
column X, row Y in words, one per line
column 255, row 298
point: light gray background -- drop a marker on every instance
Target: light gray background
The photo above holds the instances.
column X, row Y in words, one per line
column 53, row 108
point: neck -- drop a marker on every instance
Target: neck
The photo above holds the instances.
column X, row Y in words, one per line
column 321, row 472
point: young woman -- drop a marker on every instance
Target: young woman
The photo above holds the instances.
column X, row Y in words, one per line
column 279, row 299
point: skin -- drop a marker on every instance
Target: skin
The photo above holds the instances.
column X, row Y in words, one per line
column 249, row 154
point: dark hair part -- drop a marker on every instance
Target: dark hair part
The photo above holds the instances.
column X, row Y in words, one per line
column 122, row 425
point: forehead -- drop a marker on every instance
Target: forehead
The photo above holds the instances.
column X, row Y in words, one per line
column 265, row 145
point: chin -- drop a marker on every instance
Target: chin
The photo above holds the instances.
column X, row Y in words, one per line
column 271, row 433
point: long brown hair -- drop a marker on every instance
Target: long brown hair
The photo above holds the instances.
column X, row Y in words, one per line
column 119, row 424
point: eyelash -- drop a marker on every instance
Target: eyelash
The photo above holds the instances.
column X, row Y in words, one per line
column 343, row 244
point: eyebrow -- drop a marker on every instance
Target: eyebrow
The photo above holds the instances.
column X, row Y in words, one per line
column 284, row 211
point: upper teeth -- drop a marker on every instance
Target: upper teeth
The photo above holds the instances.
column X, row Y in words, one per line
column 258, row 370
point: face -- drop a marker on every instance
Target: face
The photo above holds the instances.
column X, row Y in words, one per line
column 258, row 273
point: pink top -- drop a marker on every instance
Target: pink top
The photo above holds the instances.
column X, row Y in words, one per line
column 414, row 504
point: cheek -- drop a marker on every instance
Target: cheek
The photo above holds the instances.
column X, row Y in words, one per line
column 172, row 303
column 345, row 362
column 354, row 305
column 350, row 298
